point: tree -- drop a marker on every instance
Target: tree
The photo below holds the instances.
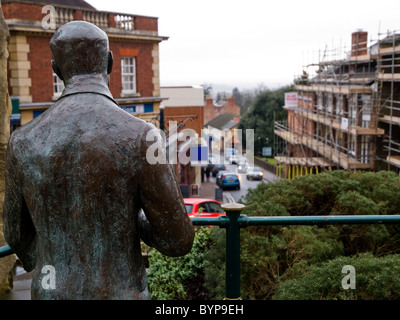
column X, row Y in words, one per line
column 265, row 109
column 237, row 97
column 7, row 263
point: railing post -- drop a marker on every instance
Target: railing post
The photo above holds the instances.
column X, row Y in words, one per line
column 5, row 251
column 232, row 289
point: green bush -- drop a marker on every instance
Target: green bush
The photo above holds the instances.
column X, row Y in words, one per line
column 375, row 279
column 177, row 278
column 214, row 267
column 273, row 255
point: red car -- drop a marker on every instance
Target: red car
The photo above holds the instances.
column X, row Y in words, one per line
column 200, row 207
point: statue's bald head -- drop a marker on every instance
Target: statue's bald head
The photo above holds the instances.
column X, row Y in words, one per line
column 80, row 47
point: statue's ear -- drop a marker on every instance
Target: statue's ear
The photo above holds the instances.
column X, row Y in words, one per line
column 56, row 70
column 110, row 62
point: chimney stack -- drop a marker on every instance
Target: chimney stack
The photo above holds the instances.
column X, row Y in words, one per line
column 359, row 43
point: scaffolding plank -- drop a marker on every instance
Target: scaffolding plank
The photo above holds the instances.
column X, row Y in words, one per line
column 394, row 160
column 389, row 76
column 303, row 161
column 340, row 89
column 337, row 157
column 390, row 119
column 336, row 124
column 389, row 50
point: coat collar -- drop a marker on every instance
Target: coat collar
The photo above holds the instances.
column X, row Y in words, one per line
column 87, row 83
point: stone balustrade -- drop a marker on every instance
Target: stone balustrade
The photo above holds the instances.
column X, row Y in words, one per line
column 102, row 19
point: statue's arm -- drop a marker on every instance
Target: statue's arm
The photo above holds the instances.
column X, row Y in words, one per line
column 165, row 224
column 19, row 230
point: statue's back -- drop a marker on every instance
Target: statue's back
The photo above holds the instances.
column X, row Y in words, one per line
column 81, row 165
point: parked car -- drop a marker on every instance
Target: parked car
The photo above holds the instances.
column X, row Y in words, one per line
column 200, row 207
column 217, row 168
column 254, row 173
column 242, row 167
column 230, row 180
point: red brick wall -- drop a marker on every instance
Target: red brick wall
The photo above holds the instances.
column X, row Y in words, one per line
column 231, row 107
column 144, row 71
column 41, row 73
column 22, row 11
column 40, row 55
column 172, row 113
column 211, row 113
column 146, row 23
column 359, row 43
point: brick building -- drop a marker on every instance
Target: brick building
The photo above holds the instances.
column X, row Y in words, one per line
column 134, row 42
column 184, row 105
column 214, row 109
column 346, row 111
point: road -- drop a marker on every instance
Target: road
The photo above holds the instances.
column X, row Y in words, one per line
column 245, row 185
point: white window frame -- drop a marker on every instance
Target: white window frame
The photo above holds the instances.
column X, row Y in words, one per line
column 128, row 75
column 58, row 86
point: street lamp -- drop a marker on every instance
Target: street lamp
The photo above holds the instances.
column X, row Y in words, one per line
column 162, row 107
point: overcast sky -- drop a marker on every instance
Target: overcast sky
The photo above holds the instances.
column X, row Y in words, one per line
column 248, row 43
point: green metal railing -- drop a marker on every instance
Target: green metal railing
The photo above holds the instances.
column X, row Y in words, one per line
column 234, row 220
column 5, row 251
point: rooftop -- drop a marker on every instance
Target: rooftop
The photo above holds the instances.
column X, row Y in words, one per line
column 68, row 3
column 223, row 121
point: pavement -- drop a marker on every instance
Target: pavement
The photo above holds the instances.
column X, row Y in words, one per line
column 269, row 176
column 207, row 190
column 21, row 286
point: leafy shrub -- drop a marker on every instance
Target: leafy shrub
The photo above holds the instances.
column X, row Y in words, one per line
column 375, row 279
column 214, row 266
column 171, row 278
column 272, row 255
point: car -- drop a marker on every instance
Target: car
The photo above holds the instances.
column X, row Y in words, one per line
column 219, row 175
column 233, row 159
column 201, row 207
column 230, row 180
column 217, row 168
column 242, row 167
column 254, row 173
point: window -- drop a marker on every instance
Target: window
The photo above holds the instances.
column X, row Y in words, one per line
column 365, row 147
column 58, row 85
column 128, row 74
column 215, row 207
column 189, row 208
column 148, row 107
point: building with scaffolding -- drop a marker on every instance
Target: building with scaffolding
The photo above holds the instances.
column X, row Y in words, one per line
column 345, row 111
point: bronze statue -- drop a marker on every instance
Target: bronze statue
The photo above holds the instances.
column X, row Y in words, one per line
column 76, row 179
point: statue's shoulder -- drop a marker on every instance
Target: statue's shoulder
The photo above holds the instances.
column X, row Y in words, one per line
column 142, row 125
column 20, row 135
